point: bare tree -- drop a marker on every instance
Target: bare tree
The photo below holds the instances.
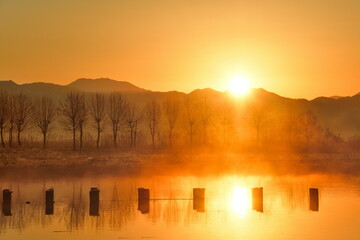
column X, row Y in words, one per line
column 117, row 110
column 97, row 109
column 12, row 114
column 227, row 122
column 44, row 116
column 206, row 113
column 132, row 118
column 171, row 110
column 23, row 108
column 81, row 118
column 258, row 120
column 152, row 116
column 70, row 112
column 4, row 113
column 292, row 127
column 191, row 118
column 309, row 125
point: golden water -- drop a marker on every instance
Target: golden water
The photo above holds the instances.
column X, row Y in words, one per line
column 228, row 208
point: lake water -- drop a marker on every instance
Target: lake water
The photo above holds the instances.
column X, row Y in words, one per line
column 226, row 213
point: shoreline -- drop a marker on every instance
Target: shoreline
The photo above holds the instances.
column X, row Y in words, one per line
column 57, row 163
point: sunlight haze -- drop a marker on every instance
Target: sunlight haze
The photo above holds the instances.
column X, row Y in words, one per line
column 179, row 119
column 293, row 48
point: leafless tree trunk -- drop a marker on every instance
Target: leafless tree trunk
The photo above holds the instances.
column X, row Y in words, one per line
column 171, row 109
column 98, row 112
column 70, row 112
column 258, row 119
column 206, row 113
column 136, row 124
column 191, row 119
column 22, row 114
column 82, row 117
column 44, row 116
column 309, row 125
column 132, row 118
column 4, row 113
column 227, row 122
column 290, row 126
column 12, row 114
column 117, row 110
column 152, row 115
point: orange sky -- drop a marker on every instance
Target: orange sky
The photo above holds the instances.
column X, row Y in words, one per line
column 298, row 48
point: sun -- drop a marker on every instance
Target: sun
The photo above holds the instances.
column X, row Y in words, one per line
column 240, row 201
column 239, row 86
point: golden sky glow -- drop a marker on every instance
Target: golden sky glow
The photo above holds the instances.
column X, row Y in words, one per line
column 294, row 48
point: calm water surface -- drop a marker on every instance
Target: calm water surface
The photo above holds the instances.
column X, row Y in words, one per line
column 227, row 213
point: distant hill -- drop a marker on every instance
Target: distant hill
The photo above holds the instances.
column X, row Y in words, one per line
column 59, row 91
column 340, row 114
column 104, row 85
column 37, row 89
column 9, row 85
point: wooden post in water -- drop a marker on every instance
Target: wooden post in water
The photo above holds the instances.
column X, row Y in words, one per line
column 6, row 208
column 314, row 199
column 199, row 199
column 94, row 201
column 49, row 202
column 144, row 200
column 257, row 199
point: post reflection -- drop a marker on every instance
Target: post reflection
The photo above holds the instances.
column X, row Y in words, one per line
column 314, row 199
column 229, row 204
column 94, row 202
column 49, row 202
column 257, row 199
column 6, row 205
column 144, row 200
column 199, row 199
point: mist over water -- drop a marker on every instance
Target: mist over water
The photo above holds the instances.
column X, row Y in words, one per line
column 228, row 211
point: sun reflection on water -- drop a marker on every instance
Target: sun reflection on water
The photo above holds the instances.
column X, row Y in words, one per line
column 241, row 201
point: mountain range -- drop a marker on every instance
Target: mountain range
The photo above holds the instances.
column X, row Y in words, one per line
column 341, row 115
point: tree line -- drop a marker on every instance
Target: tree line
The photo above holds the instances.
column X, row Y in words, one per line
column 19, row 111
column 168, row 123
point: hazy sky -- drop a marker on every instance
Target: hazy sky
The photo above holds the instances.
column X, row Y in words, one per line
column 296, row 48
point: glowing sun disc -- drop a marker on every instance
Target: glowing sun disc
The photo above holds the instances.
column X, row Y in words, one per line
column 239, row 86
column 240, row 201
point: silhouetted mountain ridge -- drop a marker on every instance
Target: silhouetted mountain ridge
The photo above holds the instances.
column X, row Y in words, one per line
column 339, row 114
column 103, row 85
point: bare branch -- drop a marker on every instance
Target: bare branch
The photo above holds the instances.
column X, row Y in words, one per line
column 117, row 111
column 44, row 116
column 152, row 115
column 97, row 109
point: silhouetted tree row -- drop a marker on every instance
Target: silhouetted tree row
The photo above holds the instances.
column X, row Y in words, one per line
column 191, row 121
